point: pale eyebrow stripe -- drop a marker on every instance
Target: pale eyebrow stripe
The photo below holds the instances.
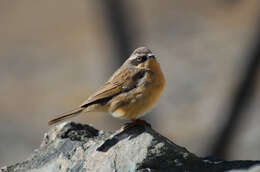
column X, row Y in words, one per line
column 133, row 57
column 150, row 54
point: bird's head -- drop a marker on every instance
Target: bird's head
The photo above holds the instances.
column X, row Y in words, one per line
column 142, row 57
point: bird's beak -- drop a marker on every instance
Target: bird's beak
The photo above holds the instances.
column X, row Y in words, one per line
column 150, row 55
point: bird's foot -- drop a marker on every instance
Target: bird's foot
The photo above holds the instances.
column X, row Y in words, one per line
column 137, row 122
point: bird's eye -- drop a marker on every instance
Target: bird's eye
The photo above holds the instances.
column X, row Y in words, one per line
column 141, row 59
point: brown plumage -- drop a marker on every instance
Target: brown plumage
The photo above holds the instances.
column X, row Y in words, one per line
column 130, row 92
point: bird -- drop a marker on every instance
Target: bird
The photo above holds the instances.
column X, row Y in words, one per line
column 129, row 93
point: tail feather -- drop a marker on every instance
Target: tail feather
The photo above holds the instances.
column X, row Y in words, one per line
column 66, row 115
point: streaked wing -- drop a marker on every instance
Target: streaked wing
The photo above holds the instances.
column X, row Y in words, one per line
column 118, row 83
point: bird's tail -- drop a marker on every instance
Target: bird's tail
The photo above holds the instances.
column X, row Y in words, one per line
column 66, row 115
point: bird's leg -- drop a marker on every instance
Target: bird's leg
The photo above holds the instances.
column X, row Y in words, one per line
column 136, row 122
column 140, row 122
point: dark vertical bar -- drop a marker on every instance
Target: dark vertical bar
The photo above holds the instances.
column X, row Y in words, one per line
column 120, row 27
column 241, row 99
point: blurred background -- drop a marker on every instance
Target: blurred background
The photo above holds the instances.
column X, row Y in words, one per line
column 55, row 53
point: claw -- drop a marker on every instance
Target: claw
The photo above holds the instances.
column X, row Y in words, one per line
column 137, row 122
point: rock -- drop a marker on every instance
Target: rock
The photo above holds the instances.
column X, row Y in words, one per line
column 251, row 169
column 75, row 147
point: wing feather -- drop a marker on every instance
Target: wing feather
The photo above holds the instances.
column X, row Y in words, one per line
column 120, row 82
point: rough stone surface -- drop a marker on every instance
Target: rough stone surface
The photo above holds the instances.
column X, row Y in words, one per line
column 75, row 147
column 251, row 169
